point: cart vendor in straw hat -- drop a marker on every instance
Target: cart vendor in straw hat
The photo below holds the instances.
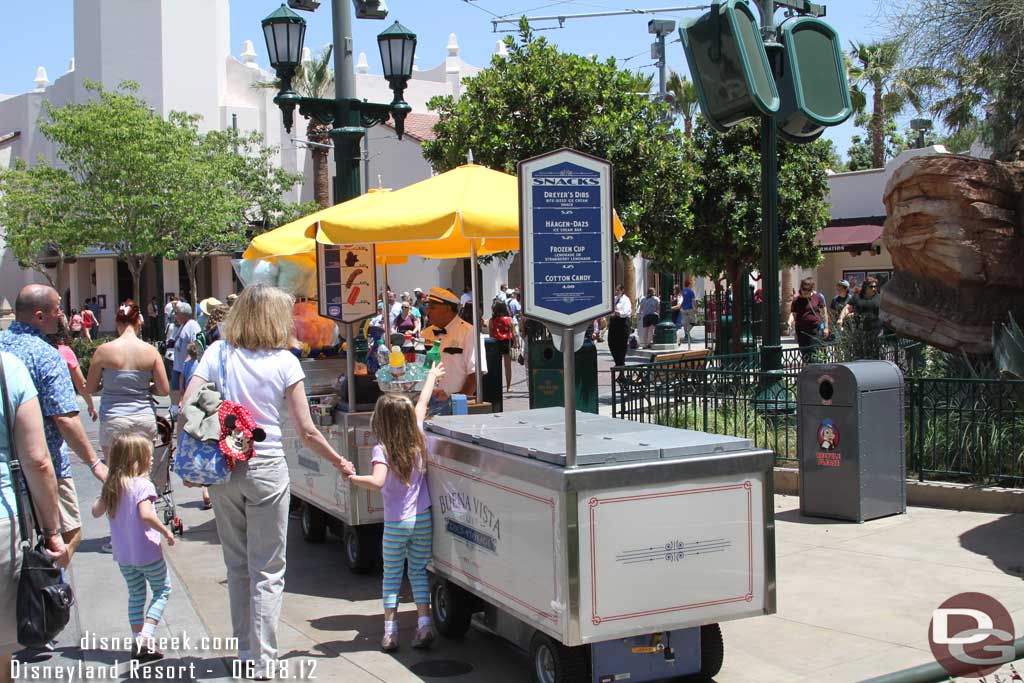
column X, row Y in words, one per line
column 458, row 349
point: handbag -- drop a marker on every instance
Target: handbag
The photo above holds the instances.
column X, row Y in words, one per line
column 201, row 461
column 44, row 598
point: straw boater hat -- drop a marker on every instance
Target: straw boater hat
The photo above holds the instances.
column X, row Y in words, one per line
column 206, row 304
column 441, row 295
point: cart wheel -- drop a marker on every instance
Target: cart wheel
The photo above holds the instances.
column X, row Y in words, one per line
column 177, row 528
column 314, row 524
column 556, row 663
column 451, row 608
column 712, row 654
column 359, row 543
column 168, row 515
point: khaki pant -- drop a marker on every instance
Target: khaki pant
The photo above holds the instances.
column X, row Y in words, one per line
column 67, row 499
column 251, row 510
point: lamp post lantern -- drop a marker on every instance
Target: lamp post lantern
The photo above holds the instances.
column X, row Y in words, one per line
column 285, row 31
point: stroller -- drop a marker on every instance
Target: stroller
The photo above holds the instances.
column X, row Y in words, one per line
column 163, row 456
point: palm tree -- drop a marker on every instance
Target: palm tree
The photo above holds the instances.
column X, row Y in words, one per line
column 684, row 102
column 893, row 87
column 314, row 78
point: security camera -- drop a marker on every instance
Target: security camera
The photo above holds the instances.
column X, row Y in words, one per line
column 371, row 9
column 661, row 27
column 304, row 5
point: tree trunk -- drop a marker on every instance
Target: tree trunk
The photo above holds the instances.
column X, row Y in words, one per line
column 191, row 265
column 735, row 273
column 878, row 129
column 629, row 277
column 316, row 132
column 321, row 178
column 785, row 299
column 135, row 266
column 688, row 126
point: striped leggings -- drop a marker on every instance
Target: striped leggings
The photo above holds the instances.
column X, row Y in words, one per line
column 136, row 576
column 407, row 541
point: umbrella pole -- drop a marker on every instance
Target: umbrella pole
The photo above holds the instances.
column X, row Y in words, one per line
column 350, row 366
column 475, row 286
column 387, row 309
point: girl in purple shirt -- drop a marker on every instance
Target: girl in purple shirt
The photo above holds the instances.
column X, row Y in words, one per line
column 400, row 474
column 135, row 530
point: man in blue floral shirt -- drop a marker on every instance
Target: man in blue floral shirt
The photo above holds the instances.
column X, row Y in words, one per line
column 37, row 313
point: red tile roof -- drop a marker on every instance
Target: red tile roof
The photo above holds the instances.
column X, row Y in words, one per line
column 419, row 126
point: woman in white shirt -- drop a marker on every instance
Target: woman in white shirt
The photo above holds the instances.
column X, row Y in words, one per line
column 251, row 508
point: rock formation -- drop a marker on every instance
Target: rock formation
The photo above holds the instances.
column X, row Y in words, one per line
column 955, row 230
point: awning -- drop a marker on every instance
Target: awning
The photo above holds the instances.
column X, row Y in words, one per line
column 848, row 238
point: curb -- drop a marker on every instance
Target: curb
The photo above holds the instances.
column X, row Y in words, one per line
column 932, row 494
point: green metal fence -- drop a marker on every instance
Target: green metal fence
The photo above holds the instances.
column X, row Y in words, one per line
column 957, row 429
column 969, row 430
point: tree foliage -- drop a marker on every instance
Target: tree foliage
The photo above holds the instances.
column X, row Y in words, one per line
column 141, row 186
column 726, row 231
column 978, row 45
column 538, row 99
column 41, row 213
column 878, row 66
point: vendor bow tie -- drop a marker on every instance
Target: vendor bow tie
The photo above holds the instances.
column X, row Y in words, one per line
column 440, row 330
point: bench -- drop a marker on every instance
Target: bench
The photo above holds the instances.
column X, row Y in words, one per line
column 663, row 384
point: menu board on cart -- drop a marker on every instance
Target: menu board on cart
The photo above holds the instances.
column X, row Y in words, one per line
column 346, row 281
column 565, row 216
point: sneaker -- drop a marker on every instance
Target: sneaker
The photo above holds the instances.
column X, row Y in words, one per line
column 424, row 638
column 107, row 548
column 145, row 653
column 389, row 643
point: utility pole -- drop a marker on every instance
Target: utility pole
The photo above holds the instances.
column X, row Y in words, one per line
column 665, row 332
column 771, row 344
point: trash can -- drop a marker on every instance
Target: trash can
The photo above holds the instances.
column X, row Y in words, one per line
column 547, row 380
column 850, row 440
column 492, row 378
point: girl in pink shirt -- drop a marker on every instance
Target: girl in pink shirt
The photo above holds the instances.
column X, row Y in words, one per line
column 400, row 474
column 135, row 530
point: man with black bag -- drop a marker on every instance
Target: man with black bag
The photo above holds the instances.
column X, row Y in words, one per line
column 24, row 457
column 37, row 313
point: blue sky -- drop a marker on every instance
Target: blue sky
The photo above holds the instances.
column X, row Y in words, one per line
column 41, row 34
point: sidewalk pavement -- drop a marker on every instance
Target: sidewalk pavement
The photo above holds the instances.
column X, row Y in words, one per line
column 854, row 601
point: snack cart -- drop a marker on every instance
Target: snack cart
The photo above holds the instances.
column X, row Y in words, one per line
column 617, row 569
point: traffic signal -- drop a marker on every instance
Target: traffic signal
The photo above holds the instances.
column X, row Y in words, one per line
column 812, row 80
column 729, row 65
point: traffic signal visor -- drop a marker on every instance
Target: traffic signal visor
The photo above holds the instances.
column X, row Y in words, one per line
column 729, row 65
column 813, row 85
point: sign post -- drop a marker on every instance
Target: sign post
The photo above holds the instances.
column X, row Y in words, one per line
column 565, row 218
column 346, row 287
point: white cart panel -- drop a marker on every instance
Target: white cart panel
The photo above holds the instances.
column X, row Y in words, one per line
column 500, row 537
column 682, row 554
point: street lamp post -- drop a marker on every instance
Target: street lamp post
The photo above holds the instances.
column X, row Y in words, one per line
column 349, row 117
column 665, row 331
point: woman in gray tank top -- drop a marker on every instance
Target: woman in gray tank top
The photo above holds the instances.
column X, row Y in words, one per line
column 128, row 371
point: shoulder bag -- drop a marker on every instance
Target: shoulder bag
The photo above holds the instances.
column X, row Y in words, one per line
column 200, row 461
column 44, row 598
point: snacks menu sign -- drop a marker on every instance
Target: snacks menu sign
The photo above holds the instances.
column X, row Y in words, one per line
column 565, row 200
column 346, row 281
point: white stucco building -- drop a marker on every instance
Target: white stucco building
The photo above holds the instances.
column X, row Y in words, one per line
column 183, row 65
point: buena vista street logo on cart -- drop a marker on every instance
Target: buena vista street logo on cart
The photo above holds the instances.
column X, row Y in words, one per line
column 971, row 634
